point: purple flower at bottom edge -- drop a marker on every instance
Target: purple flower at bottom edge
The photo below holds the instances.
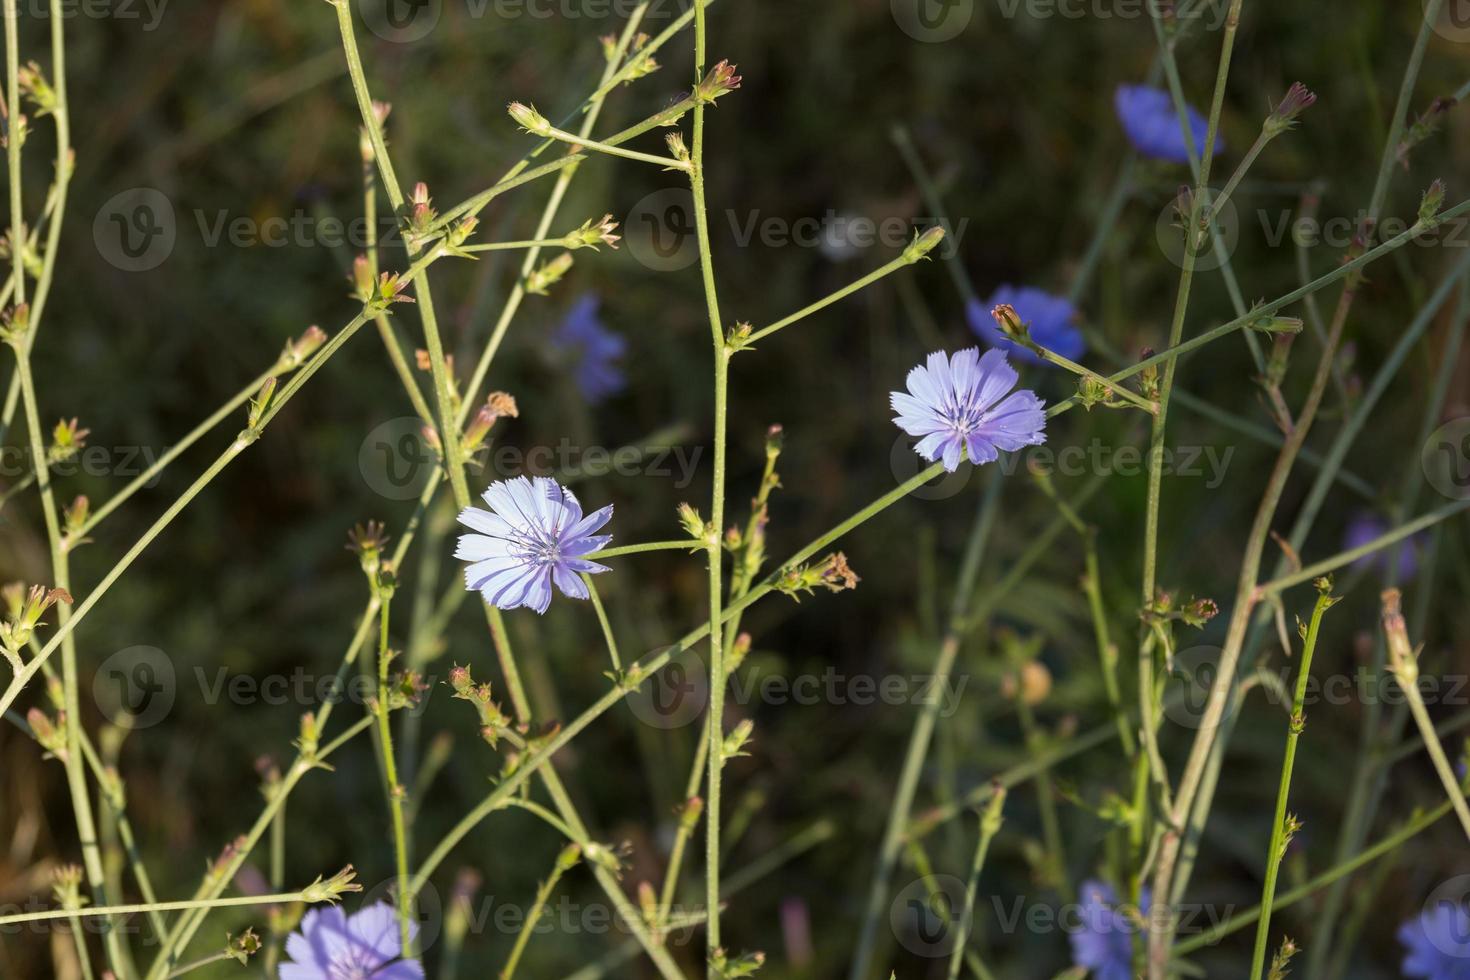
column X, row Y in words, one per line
column 965, row 404
column 1437, row 943
column 1050, row 319
column 1148, row 117
column 595, row 349
column 1103, row 940
column 366, row 946
column 534, row 535
column 1363, row 528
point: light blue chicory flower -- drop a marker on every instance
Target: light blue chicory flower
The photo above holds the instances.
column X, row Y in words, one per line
column 366, row 946
column 534, row 535
column 965, row 404
column 1148, row 117
column 1104, row 940
column 1051, row 320
column 1437, row 943
column 594, row 349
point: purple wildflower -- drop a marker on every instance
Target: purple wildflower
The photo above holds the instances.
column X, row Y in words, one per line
column 1437, row 943
column 332, row 946
column 1365, row 527
column 535, row 536
column 965, row 404
column 594, row 349
column 1103, row 940
column 1051, row 320
column 1148, row 117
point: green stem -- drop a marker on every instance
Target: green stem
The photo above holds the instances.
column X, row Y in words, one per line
column 533, row 918
column 1368, row 856
column 1295, row 726
column 393, row 788
column 989, row 826
column 901, row 262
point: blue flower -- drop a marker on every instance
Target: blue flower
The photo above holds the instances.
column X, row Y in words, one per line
column 1148, row 117
column 1103, row 940
column 1365, row 527
column 965, row 403
column 1437, row 943
column 535, row 536
column 594, row 348
column 367, row 946
column 1051, row 320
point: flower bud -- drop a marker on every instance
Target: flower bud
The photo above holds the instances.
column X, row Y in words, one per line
column 529, row 119
column 720, row 81
column 333, row 888
column 1283, row 117
column 548, row 274
column 924, row 242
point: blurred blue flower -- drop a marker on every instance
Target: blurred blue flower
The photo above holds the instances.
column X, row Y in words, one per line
column 1365, row 527
column 367, row 946
column 535, row 536
column 1103, row 942
column 1148, row 117
column 1051, row 319
column 1437, row 943
column 595, row 350
column 965, row 403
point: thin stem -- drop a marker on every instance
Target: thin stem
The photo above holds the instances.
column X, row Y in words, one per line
column 237, row 901
column 1276, row 586
column 715, row 733
column 393, row 788
column 607, row 631
column 902, row 261
column 1404, row 664
column 148, row 476
column 636, row 549
column 1411, row 829
column 990, row 822
column 1279, row 830
column 668, row 163
column 533, row 918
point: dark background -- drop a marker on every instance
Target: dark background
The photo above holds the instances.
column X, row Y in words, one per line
column 242, row 108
